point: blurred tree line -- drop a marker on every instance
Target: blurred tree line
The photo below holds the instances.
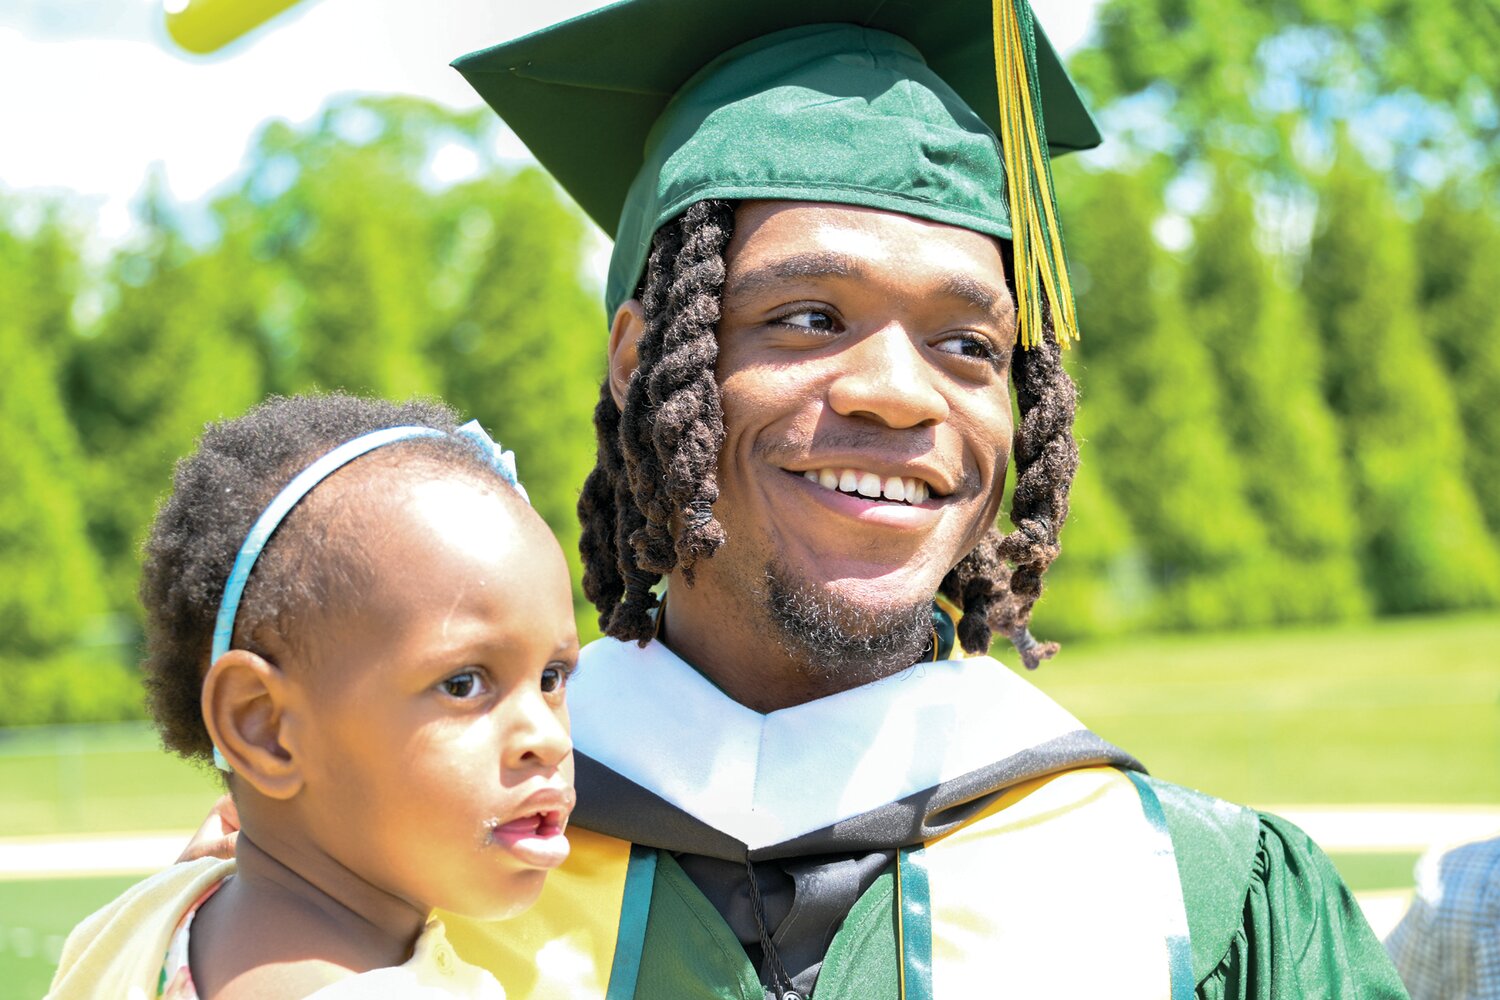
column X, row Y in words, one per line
column 1284, row 259
column 337, row 261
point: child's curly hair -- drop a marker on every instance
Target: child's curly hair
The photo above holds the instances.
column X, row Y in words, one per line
column 217, row 494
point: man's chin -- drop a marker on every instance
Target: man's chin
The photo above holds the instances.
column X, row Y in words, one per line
column 848, row 633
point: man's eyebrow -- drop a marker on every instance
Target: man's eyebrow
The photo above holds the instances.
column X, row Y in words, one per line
column 976, row 293
column 801, row 266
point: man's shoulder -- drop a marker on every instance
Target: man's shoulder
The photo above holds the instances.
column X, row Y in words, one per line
column 1217, row 844
column 1261, row 895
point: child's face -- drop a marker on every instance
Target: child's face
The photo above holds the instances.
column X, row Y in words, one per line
column 434, row 745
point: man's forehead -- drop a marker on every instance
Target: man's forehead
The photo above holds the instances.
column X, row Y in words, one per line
column 782, row 243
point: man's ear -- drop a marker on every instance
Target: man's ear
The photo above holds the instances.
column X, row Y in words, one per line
column 245, row 701
column 624, row 336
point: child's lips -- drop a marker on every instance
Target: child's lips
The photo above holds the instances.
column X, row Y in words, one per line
column 535, row 839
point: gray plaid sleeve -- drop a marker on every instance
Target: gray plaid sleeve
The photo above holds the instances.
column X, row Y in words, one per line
column 1447, row 947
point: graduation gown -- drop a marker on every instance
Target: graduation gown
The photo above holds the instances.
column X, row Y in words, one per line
column 947, row 832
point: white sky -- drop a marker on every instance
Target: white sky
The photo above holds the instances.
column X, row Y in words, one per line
column 92, row 92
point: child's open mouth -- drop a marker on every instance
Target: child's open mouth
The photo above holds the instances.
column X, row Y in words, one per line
column 536, row 839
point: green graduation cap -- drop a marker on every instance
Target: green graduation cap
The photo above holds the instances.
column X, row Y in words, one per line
column 643, row 107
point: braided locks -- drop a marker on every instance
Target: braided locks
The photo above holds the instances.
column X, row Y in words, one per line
column 647, row 506
column 998, row 583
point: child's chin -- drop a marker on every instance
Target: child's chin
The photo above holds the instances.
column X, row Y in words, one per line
column 522, row 891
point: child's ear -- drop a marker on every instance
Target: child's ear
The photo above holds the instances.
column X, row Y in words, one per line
column 245, row 707
column 624, row 336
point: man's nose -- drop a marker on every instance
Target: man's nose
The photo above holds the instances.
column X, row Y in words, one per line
column 887, row 379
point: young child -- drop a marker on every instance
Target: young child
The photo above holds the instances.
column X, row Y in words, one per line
column 386, row 695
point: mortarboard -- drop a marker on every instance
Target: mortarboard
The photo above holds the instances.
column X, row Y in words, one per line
column 645, row 106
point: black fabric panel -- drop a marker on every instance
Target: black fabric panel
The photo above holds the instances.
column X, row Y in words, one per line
column 805, row 900
column 935, row 811
column 613, row 805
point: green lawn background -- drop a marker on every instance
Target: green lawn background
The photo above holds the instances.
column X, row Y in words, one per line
column 1404, row 711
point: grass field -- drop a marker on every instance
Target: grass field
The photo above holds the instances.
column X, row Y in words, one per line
column 35, row 918
column 1390, row 712
column 104, row 779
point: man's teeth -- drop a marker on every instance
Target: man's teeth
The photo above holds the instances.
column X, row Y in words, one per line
column 901, row 489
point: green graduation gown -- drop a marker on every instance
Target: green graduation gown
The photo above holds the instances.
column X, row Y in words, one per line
column 967, row 836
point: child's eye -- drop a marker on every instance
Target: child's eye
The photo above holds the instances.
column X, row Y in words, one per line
column 554, row 678
column 464, row 685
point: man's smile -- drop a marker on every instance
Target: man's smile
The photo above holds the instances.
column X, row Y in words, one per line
column 907, row 490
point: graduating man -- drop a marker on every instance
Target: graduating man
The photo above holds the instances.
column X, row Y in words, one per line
column 836, row 248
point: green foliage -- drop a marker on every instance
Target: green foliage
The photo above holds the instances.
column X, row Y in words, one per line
column 524, row 349
column 1271, row 82
column 1268, row 363
column 1099, row 584
column 49, row 577
column 73, row 686
column 1458, row 245
column 1150, row 392
column 1424, row 540
column 162, row 365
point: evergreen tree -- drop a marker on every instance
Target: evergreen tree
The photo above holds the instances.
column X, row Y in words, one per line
column 364, row 323
column 163, row 364
column 1458, row 247
column 1099, row 585
column 49, row 578
column 1425, row 545
column 1267, row 360
column 1161, row 448
column 524, row 353
column 49, row 281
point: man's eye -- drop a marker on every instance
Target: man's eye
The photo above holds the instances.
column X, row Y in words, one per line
column 554, row 678
column 465, row 685
column 969, row 345
column 809, row 319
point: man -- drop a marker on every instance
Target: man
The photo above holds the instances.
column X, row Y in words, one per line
column 799, row 775
column 820, row 248
column 1447, row 946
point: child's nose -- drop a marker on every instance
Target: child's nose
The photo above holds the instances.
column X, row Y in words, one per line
column 542, row 736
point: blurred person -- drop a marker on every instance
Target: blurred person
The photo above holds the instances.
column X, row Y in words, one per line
column 353, row 611
column 1447, row 946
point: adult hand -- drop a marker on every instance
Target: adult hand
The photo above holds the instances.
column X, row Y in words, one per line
column 216, row 837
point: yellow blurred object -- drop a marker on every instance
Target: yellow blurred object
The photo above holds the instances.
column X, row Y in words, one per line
column 205, row 26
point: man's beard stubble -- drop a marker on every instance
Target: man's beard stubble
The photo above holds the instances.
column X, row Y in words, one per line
column 841, row 644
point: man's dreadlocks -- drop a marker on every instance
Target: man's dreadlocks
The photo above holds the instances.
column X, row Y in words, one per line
column 647, row 506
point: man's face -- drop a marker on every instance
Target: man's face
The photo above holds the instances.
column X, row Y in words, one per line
column 864, row 365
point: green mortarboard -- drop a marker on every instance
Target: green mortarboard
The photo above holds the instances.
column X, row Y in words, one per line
column 641, row 108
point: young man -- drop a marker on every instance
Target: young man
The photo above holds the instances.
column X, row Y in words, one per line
column 793, row 781
column 827, row 272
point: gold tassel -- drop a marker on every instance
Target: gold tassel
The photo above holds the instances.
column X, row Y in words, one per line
column 1038, row 251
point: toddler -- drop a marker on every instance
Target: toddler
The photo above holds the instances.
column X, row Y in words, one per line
column 353, row 611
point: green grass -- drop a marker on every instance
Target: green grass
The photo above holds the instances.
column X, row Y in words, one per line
column 97, row 779
column 1374, row 871
column 1393, row 711
column 35, row 918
